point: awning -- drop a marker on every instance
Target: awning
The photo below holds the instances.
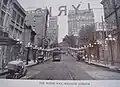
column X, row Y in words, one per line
column 7, row 41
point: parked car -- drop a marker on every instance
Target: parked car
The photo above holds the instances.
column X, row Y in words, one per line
column 80, row 56
column 16, row 70
column 40, row 59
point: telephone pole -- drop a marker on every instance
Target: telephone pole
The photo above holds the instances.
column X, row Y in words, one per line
column 117, row 25
column 103, row 38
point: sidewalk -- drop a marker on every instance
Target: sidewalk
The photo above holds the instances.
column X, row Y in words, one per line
column 108, row 66
column 30, row 64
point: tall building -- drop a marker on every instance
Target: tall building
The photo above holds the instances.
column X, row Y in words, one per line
column 112, row 15
column 37, row 19
column 53, row 29
column 12, row 17
column 77, row 19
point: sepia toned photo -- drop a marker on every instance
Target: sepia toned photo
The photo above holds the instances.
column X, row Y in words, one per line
column 60, row 39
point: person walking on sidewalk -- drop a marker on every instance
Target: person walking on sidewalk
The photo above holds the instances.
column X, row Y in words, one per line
column 43, row 54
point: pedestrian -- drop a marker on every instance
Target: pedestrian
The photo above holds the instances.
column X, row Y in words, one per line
column 43, row 54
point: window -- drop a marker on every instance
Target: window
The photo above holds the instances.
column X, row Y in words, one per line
column 20, row 35
column 18, row 19
column 14, row 15
column 17, row 33
column 2, row 18
column 5, row 2
column 11, row 30
column 22, row 20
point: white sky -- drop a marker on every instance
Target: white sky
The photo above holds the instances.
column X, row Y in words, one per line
column 55, row 4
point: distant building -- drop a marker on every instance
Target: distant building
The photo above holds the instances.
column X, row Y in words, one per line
column 77, row 19
column 52, row 31
column 37, row 19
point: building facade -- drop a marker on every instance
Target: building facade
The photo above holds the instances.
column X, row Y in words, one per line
column 37, row 19
column 52, row 31
column 78, row 19
column 112, row 18
column 101, row 32
column 12, row 15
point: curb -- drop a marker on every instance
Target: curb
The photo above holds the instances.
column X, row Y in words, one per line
column 32, row 65
column 5, row 72
column 37, row 64
column 108, row 68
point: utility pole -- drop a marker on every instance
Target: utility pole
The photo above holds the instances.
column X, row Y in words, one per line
column 103, row 38
column 46, row 21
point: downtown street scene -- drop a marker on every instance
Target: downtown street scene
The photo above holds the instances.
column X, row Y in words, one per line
column 33, row 47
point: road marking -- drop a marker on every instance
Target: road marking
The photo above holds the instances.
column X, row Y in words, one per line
column 71, row 77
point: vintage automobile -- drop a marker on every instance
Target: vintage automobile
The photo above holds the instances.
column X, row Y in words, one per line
column 40, row 59
column 80, row 56
column 56, row 55
column 16, row 70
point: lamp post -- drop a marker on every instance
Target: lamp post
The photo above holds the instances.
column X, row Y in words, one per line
column 90, row 46
column 96, row 44
column 35, row 51
column 28, row 47
column 18, row 44
column 110, row 40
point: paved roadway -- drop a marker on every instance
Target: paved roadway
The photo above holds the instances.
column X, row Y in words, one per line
column 69, row 69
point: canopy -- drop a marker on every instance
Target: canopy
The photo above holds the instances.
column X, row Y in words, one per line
column 7, row 41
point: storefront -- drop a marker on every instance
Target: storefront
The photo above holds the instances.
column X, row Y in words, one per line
column 5, row 43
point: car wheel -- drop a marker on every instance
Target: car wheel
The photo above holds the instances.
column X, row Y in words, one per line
column 15, row 77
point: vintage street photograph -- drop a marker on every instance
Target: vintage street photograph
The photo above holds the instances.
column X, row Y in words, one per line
column 60, row 39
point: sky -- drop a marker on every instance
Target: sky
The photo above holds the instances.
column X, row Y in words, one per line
column 62, row 20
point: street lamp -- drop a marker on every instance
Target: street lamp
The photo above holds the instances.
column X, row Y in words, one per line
column 35, row 51
column 18, row 48
column 90, row 46
column 28, row 47
column 96, row 44
column 110, row 39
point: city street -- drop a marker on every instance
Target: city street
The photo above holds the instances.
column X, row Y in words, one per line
column 69, row 69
